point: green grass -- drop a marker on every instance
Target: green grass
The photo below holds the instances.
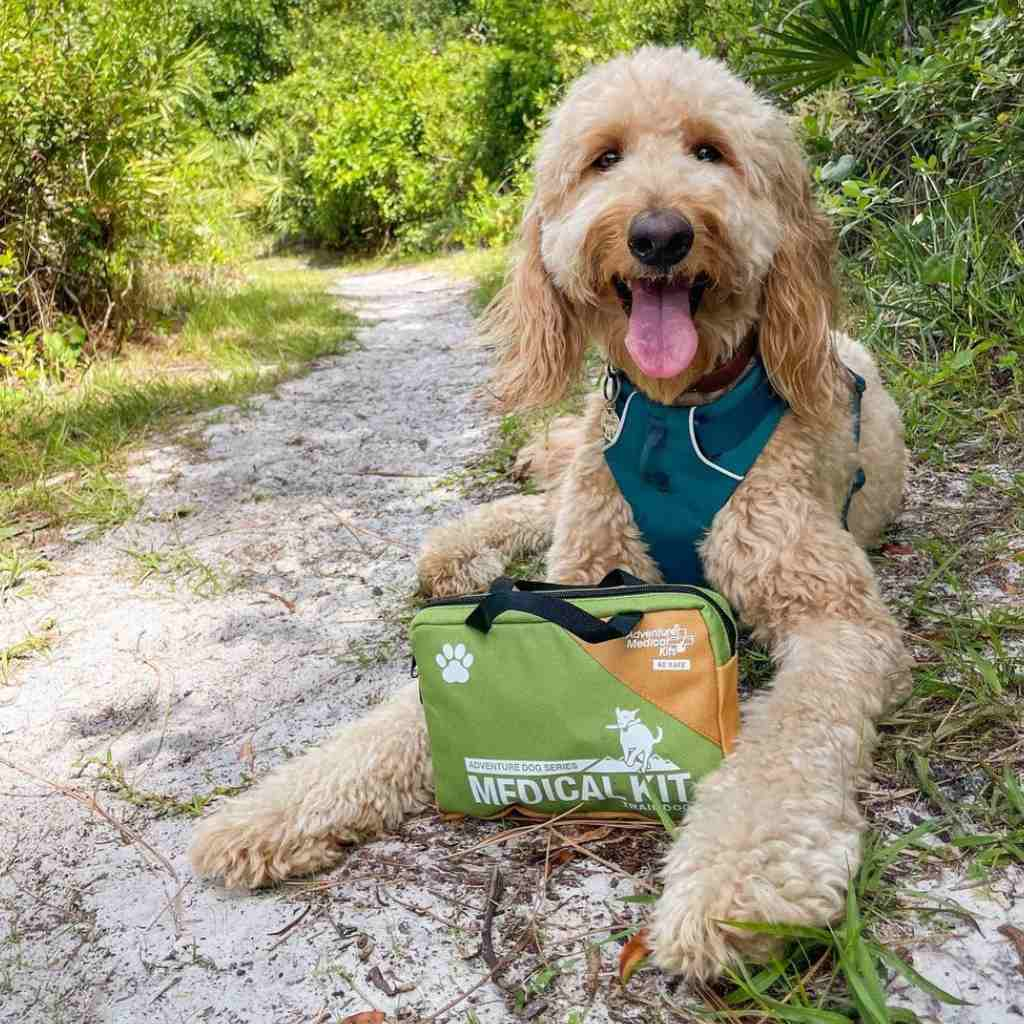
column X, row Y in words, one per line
column 111, row 775
column 174, row 565
column 62, row 445
column 496, row 465
column 34, row 642
column 16, row 568
column 834, row 974
column 941, row 302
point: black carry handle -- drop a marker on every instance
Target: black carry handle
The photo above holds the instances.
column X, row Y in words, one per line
column 588, row 628
column 616, row 578
column 621, row 578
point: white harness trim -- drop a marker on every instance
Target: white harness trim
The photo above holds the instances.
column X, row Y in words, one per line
column 700, row 455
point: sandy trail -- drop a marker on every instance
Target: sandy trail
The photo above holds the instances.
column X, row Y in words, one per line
column 292, row 526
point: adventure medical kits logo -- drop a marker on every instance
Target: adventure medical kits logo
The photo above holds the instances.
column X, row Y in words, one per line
column 669, row 643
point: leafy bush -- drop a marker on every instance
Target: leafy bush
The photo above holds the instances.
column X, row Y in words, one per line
column 355, row 152
column 248, row 44
column 92, row 100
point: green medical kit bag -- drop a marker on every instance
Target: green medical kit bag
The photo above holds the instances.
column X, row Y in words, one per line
column 542, row 699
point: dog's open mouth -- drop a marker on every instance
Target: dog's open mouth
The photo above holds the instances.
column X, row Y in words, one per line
column 662, row 338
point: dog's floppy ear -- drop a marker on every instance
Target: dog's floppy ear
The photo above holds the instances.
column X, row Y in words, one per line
column 799, row 297
column 538, row 337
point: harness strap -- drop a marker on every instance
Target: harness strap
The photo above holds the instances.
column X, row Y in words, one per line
column 859, row 479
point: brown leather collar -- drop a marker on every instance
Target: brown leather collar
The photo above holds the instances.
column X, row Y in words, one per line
column 724, row 375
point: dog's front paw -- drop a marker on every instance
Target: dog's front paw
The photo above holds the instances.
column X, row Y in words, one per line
column 776, row 864
column 247, row 849
column 449, row 566
column 688, row 935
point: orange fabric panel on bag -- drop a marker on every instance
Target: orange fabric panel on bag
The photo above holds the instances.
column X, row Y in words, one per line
column 668, row 661
column 728, row 703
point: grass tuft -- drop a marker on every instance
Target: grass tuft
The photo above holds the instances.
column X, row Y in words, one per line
column 175, row 565
column 111, row 774
column 32, row 643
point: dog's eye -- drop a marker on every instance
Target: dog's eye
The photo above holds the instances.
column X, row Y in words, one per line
column 708, row 153
column 608, row 159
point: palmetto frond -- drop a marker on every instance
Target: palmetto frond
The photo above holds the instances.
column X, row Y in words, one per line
column 826, row 38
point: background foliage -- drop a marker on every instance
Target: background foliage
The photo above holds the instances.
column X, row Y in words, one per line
column 144, row 133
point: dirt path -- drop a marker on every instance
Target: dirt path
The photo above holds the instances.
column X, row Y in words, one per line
column 258, row 601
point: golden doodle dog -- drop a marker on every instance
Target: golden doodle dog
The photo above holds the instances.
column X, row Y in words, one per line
column 672, row 225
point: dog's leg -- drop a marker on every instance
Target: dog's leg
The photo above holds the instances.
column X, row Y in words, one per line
column 300, row 818
column 465, row 556
column 775, row 832
column 546, row 457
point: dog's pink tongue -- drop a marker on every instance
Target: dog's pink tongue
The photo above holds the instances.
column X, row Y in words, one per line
column 662, row 338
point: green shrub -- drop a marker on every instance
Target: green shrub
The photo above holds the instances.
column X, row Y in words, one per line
column 357, row 151
column 248, row 43
column 920, row 159
column 92, row 103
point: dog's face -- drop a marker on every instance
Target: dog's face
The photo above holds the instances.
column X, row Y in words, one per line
column 624, row 719
column 671, row 216
column 652, row 189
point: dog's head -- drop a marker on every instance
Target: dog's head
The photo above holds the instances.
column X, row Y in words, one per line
column 672, row 215
column 624, row 719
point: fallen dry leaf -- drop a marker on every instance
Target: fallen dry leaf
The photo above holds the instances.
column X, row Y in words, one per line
column 247, row 755
column 892, row 550
column 364, row 947
column 1016, row 936
column 595, row 834
column 364, row 1017
column 633, row 954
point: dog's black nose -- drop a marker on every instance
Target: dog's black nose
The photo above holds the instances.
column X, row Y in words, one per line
column 660, row 238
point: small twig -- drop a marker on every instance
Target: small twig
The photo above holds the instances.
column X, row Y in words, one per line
column 512, row 833
column 181, row 888
column 393, row 473
column 353, row 528
column 421, row 911
column 290, row 605
column 490, row 908
column 295, row 921
column 355, row 536
column 165, row 989
column 450, row 899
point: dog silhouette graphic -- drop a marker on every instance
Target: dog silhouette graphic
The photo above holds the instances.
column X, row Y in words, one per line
column 637, row 740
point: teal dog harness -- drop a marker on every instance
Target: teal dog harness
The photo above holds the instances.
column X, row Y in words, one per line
column 678, row 465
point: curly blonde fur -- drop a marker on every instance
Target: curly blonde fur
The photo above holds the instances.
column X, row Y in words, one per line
column 775, row 832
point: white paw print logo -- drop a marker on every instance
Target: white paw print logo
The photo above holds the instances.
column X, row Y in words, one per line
column 454, row 663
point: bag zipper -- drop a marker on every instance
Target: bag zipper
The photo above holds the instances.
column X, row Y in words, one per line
column 650, row 588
